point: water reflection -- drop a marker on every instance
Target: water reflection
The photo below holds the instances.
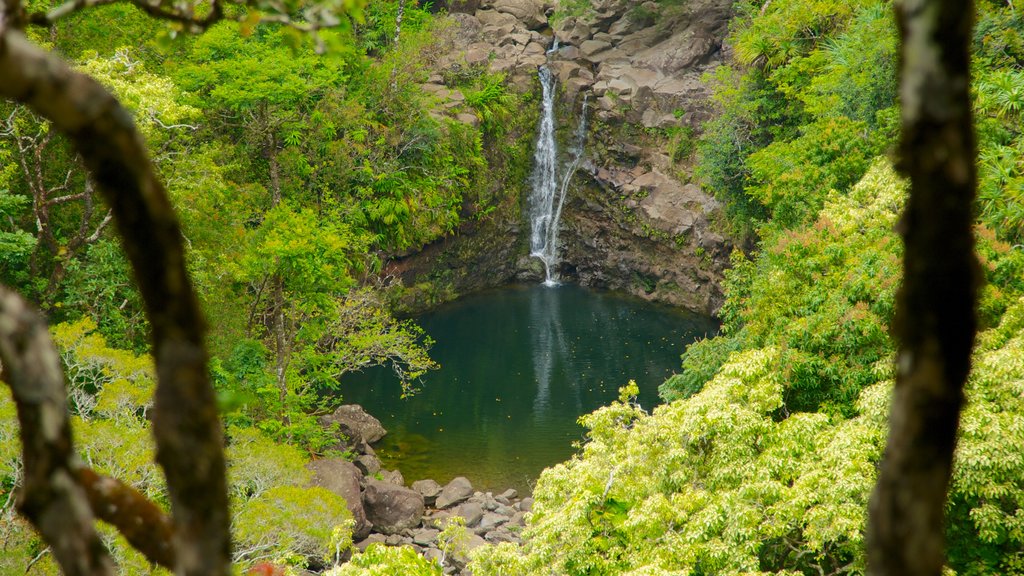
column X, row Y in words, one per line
column 519, row 366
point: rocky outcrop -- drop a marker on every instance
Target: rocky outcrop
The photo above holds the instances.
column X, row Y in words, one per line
column 389, row 513
column 635, row 221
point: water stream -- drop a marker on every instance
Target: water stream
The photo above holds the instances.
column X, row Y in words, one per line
column 548, row 192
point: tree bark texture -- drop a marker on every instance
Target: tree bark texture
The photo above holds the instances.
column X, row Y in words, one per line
column 50, row 496
column 185, row 421
column 935, row 322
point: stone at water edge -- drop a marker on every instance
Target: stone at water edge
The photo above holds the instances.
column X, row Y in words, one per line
column 430, row 490
column 390, row 508
column 356, row 423
column 369, row 464
column 392, row 477
column 457, row 491
column 342, row 478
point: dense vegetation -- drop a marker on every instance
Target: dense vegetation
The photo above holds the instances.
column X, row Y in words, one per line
column 297, row 174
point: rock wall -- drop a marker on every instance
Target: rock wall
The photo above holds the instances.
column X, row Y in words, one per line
column 633, row 221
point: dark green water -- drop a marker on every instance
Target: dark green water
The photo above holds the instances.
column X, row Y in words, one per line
column 518, row 367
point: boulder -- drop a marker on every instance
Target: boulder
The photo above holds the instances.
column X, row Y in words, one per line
column 342, row 478
column 501, row 535
column 356, row 424
column 368, row 464
column 461, row 555
column 365, row 543
column 392, row 477
column 468, row 25
column 425, row 536
column 455, row 492
column 497, row 19
column 471, row 512
column 526, row 504
column 429, row 489
column 390, row 508
column 588, row 48
column 492, row 520
column 529, row 12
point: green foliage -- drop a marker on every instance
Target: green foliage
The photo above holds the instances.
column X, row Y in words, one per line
column 493, row 103
column 381, row 560
column 808, row 117
column 289, row 524
column 824, row 294
column 792, row 178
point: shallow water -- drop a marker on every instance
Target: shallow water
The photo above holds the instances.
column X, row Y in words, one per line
column 519, row 366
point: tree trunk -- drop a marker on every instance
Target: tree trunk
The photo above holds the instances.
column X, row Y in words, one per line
column 935, row 322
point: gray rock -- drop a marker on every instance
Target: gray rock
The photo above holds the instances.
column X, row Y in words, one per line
column 529, row 12
column 429, row 489
column 368, row 464
column 518, row 519
column 472, row 512
column 461, row 557
column 457, row 491
column 510, row 493
column 392, row 508
column 365, row 543
column 437, row 520
column 505, row 510
column 355, row 423
column 588, row 48
column 526, row 504
column 342, row 478
column 433, row 555
column 495, row 18
column 425, row 536
column 501, row 535
column 492, row 520
column 392, row 477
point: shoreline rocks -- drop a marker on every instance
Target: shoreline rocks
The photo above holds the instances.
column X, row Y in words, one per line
column 390, row 513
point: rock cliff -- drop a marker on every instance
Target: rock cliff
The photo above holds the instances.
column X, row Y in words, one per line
column 633, row 220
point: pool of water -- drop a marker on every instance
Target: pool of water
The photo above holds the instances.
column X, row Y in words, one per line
column 519, row 366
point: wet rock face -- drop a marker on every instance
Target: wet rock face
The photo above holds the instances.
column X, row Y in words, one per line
column 634, row 221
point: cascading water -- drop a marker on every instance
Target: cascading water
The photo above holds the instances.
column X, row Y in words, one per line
column 548, row 194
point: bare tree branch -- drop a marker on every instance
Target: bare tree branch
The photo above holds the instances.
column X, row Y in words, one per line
column 143, row 524
column 185, row 422
column 935, row 321
column 50, row 496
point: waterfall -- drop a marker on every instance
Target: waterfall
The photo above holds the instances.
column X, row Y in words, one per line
column 548, row 194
